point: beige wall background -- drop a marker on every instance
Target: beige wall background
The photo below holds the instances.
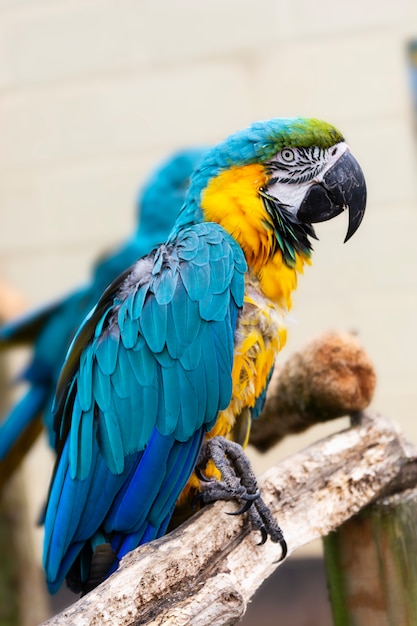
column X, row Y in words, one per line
column 94, row 92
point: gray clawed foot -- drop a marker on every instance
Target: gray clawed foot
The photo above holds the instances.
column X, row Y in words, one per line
column 238, row 482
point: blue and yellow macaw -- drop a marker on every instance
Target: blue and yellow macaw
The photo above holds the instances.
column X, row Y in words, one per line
column 182, row 344
column 51, row 329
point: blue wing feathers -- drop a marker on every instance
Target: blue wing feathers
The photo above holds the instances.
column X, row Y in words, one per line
column 110, row 441
column 101, row 321
column 218, row 274
column 120, row 376
column 147, row 388
column 73, row 515
column 196, row 280
column 138, row 301
column 180, row 463
column 129, row 332
column 102, row 388
column 202, row 257
column 76, row 443
column 213, row 382
column 153, row 324
column 200, row 392
column 224, row 358
column 188, row 243
column 164, row 286
column 150, row 407
column 85, row 380
column 107, row 353
column 186, row 319
column 214, row 306
column 170, row 388
column 188, row 416
column 143, row 365
column 141, row 487
column 140, row 518
column 85, row 444
column 190, row 357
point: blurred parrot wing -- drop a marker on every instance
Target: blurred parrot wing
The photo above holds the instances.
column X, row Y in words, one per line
column 25, row 328
column 44, row 328
column 145, row 378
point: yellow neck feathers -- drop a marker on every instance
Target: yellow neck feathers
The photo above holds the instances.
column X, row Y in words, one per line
column 278, row 281
column 231, row 199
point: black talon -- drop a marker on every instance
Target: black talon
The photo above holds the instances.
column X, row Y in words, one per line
column 251, row 497
column 201, row 476
column 243, row 509
column 284, row 549
column 264, row 535
column 198, row 499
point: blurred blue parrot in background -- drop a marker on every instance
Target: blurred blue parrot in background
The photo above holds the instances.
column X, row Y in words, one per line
column 51, row 329
column 181, row 346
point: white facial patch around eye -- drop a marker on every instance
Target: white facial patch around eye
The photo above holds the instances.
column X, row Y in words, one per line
column 291, row 177
column 299, row 165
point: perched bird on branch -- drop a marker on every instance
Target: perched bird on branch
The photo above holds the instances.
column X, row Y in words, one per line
column 180, row 349
column 50, row 329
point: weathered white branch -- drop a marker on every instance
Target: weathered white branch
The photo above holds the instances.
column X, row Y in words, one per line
column 206, row 571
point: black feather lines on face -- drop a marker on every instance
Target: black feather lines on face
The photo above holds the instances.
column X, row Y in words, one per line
column 291, row 237
column 308, row 164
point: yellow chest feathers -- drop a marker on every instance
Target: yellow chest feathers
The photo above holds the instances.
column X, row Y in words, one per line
column 260, row 335
column 232, row 200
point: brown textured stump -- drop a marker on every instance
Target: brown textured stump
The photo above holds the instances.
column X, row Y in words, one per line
column 330, row 377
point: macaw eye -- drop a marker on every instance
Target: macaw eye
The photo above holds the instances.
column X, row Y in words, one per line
column 287, row 155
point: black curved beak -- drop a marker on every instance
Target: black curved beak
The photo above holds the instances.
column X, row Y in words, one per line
column 343, row 187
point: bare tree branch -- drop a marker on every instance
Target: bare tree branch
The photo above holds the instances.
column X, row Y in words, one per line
column 207, row 570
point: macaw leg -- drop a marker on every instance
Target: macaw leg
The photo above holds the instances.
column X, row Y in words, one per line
column 238, row 482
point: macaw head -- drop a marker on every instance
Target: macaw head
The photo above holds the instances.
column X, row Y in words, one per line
column 317, row 177
column 267, row 184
